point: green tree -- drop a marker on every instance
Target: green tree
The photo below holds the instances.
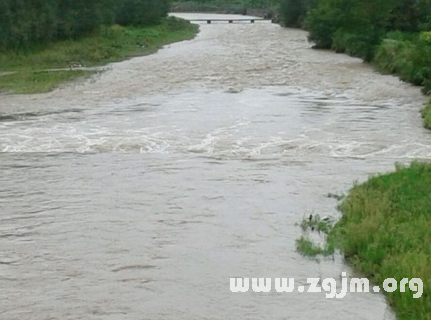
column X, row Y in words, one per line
column 141, row 12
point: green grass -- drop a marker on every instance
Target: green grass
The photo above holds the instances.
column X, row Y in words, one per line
column 110, row 44
column 426, row 113
column 409, row 57
column 307, row 247
column 315, row 223
column 38, row 82
column 385, row 232
column 310, row 249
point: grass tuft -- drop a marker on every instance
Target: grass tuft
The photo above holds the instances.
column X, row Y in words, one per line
column 310, row 249
column 314, row 223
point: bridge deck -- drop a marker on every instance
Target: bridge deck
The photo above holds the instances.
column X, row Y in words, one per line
column 229, row 20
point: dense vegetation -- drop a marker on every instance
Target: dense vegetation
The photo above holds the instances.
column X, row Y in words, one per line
column 357, row 26
column 385, row 233
column 293, row 12
column 411, row 57
column 26, row 23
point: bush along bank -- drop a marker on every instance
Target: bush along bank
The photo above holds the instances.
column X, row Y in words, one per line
column 426, row 114
column 28, row 71
column 395, row 36
column 385, row 233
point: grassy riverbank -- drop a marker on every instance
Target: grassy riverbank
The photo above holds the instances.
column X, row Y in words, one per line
column 110, row 44
column 409, row 57
column 28, row 82
column 385, row 233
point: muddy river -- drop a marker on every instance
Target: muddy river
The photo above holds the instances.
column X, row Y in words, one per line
column 138, row 193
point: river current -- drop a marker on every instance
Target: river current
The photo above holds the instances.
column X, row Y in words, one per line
column 138, row 193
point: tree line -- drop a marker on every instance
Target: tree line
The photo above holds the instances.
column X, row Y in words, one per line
column 26, row 23
column 370, row 20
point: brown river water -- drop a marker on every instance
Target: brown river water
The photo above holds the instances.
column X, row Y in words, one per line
column 138, row 193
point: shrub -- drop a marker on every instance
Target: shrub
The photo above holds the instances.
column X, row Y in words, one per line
column 359, row 45
column 426, row 114
column 424, row 14
column 410, row 60
column 141, row 12
column 394, row 56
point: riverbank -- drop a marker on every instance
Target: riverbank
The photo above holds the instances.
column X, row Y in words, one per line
column 385, row 233
column 395, row 38
column 407, row 56
column 27, row 71
column 404, row 55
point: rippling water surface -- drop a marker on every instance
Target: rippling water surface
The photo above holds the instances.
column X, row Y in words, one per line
column 139, row 193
